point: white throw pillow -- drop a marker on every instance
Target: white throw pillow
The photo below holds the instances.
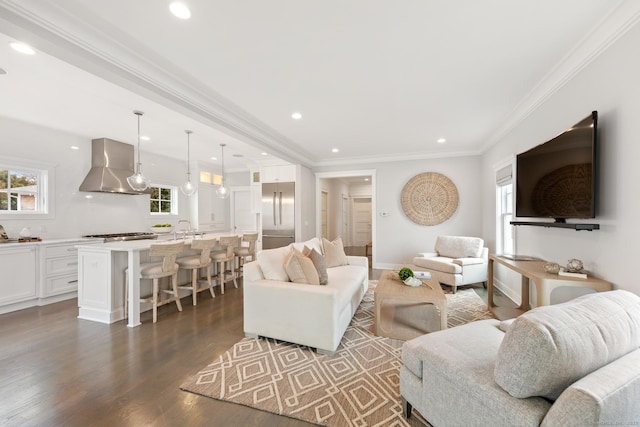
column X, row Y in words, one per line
column 313, row 243
column 301, row 269
column 334, row 253
column 272, row 263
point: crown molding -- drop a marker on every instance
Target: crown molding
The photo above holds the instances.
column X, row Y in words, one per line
column 400, row 157
column 58, row 32
column 611, row 27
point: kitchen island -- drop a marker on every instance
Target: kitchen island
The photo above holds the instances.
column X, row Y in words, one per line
column 101, row 278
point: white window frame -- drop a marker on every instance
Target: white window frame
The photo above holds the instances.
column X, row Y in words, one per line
column 174, row 200
column 505, row 233
column 46, row 183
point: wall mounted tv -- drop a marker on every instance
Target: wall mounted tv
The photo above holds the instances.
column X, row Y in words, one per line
column 557, row 179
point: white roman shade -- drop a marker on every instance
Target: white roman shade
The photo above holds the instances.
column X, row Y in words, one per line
column 504, row 175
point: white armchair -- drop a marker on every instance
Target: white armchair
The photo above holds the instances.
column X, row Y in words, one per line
column 457, row 261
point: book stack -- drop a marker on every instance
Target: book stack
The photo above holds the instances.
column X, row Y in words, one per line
column 581, row 274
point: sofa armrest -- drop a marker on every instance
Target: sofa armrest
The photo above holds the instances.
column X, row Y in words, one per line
column 361, row 261
column 468, row 261
column 428, row 254
column 294, row 312
column 607, row 396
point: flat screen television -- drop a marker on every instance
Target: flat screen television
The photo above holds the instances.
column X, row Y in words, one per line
column 557, row 179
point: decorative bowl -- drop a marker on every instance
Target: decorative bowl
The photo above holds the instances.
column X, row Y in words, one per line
column 552, row 267
column 412, row 281
column 161, row 230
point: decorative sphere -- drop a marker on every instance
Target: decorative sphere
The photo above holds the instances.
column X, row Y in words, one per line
column 574, row 265
column 552, row 267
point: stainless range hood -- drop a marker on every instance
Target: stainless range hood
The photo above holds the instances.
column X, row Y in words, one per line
column 111, row 164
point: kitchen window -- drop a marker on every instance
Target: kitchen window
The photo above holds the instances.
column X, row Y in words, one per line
column 22, row 190
column 163, row 200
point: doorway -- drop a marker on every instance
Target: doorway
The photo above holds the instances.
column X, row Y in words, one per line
column 242, row 219
column 349, row 209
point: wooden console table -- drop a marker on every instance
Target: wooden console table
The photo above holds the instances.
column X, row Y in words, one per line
column 545, row 283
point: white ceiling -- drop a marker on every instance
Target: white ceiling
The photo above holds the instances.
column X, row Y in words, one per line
column 377, row 79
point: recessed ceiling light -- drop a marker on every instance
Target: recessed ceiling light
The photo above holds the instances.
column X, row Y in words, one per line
column 441, row 141
column 23, row 48
column 75, row 147
column 296, row 116
column 366, row 179
column 214, row 158
column 265, row 154
column 145, row 138
column 180, row 10
column 334, row 150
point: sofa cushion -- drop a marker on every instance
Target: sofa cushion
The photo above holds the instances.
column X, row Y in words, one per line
column 438, row 264
column 459, row 246
column 313, row 243
column 334, row 253
column 548, row 348
column 300, row 269
column 272, row 263
column 318, row 262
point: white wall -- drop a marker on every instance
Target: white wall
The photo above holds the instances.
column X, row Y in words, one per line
column 609, row 85
column 396, row 238
column 74, row 214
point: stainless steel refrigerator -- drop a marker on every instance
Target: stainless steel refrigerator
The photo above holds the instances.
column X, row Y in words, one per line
column 278, row 214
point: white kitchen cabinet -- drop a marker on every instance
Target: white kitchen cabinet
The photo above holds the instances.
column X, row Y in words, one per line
column 282, row 173
column 59, row 270
column 18, row 266
column 212, row 210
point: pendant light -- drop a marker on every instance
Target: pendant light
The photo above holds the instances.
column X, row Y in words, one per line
column 188, row 188
column 222, row 191
column 137, row 181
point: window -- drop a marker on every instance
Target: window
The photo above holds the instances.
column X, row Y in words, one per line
column 163, row 200
column 505, row 242
column 22, row 191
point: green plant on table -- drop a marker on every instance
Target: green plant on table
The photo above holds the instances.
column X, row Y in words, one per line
column 405, row 273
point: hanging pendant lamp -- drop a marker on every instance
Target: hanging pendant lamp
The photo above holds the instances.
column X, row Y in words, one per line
column 222, row 191
column 188, row 188
column 137, row 181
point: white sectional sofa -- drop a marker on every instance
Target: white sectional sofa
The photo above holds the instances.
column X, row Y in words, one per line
column 313, row 315
column 571, row 364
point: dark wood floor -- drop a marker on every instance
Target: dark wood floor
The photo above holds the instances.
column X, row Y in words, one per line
column 57, row 370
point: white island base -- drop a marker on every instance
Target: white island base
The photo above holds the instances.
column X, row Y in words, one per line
column 101, row 279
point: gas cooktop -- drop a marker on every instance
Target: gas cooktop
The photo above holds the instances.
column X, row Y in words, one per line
column 112, row 237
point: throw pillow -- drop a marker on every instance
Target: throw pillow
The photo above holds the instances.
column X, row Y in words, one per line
column 547, row 349
column 300, row 268
column 318, row 262
column 334, row 253
column 272, row 263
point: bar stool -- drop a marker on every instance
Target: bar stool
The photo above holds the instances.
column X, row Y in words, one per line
column 195, row 263
column 243, row 252
column 224, row 257
column 157, row 270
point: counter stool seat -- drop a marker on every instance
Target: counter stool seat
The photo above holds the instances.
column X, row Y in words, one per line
column 243, row 252
column 155, row 271
column 224, row 258
column 197, row 262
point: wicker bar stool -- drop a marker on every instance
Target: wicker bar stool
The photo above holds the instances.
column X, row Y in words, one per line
column 197, row 262
column 243, row 252
column 155, row 271
column 224, row 258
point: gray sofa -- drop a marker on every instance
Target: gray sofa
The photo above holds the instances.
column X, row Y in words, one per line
column 571, row 364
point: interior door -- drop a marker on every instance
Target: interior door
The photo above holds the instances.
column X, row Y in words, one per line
column 325, row 223
column 361, row 221
column 242, row 218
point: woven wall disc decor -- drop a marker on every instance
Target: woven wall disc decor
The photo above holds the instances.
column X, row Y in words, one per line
column 429, row 198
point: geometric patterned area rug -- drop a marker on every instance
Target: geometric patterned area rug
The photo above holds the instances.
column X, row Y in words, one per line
column 358, row 386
